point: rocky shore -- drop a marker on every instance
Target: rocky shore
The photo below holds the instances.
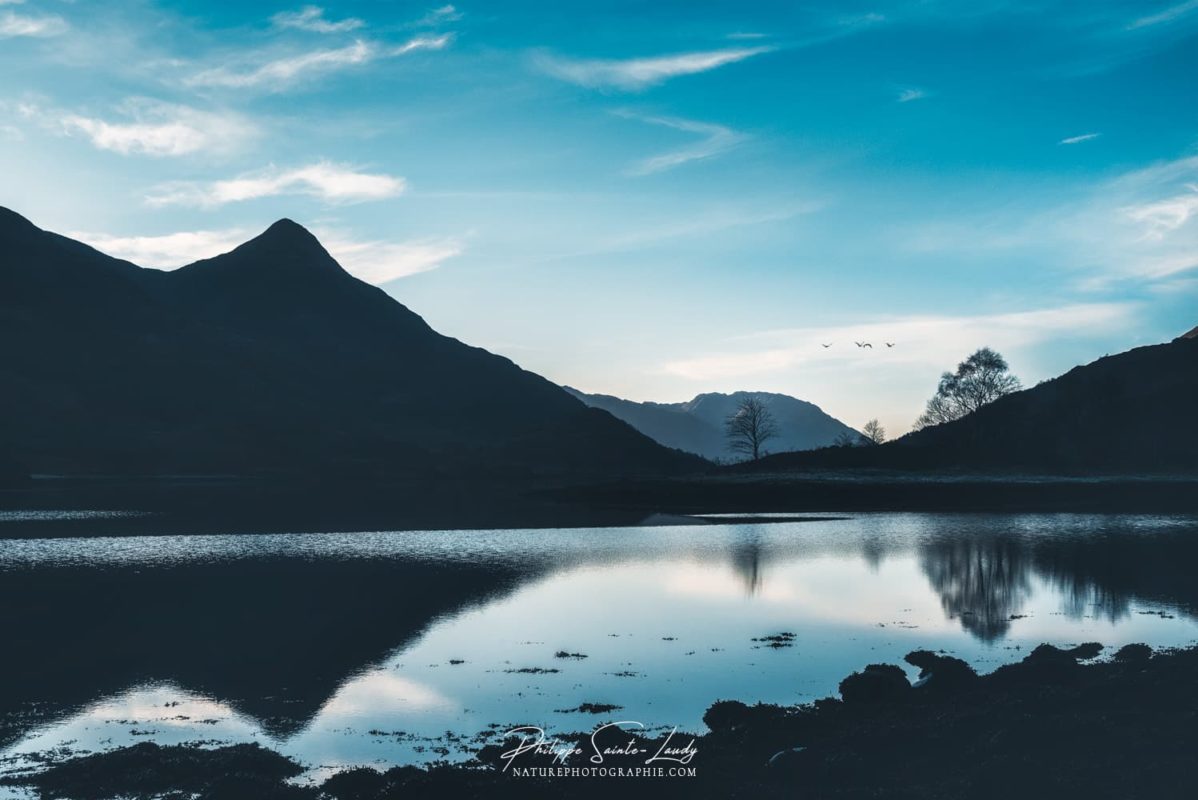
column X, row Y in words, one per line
column 1050, row 726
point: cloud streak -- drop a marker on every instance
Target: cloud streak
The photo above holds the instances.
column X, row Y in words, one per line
column 1143, row 227
column 716, row 139
column 932, row 341
column 374, row 261
column 311, row 18
column 13, row 25
column 380, row 262
column 439, row 16
column 1161, row 218
column 152, row 128
column 281, row 73
column 332, row 183
column 1137, row 230
column 1166, row 16
column 168, row 251
column 635, row 74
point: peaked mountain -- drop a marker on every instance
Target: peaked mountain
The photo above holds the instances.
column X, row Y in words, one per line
column 697, row 426
column 1128, row 413
column 267, row 359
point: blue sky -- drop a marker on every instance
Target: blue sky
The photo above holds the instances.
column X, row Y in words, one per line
column 652, row 199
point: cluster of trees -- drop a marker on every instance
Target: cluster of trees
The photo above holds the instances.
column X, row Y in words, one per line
column 979, row 380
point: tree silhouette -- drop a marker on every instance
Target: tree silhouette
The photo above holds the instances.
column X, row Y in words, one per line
column 873, row 432
column 750, row 427
column 980, row 379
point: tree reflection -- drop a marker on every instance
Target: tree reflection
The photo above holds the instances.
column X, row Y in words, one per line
column 1099, row 571
column 981, row 581
column 747, row 561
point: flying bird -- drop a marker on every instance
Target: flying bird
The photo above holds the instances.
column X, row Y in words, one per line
column 890, row 344
column 864, row 344
column 826, row 346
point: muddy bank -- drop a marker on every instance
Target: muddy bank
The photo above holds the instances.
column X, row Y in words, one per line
column 1051, row 726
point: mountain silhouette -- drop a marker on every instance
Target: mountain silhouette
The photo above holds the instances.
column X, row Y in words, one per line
column 269, row 359
column 1132, row 413
column 697, row 426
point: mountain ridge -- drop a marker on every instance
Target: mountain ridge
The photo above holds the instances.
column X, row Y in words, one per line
column 1131, row 412
column 697, row 425
column 267, row 359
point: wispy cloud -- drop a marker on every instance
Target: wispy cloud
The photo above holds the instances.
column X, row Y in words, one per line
column 311, row 18
column 910, row 94
column 716, row 139
column 700, row 223
column 1165, row 16
column 168, row 251
column 282, row 72
column 1085, row 137
column 634, row 74
column 421, row 43
column 152, row 128
column 1130, row 232
column 439, row 16
column 380, row 262
column 334, row 183
column 373, row 261
column 932, row 341
column 13, row 24
column 1161, row 218
column 1143, row 226
column 845, row 378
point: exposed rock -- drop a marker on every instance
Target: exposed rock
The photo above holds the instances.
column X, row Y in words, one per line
column 1134, row 653
column 940, row 672
column 1083, row 652
column 877, row 683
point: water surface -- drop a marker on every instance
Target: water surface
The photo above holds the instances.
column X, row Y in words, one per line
column 404, row 647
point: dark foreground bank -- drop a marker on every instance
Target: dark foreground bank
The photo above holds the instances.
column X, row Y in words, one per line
column 734, row 490
column 1047, row 727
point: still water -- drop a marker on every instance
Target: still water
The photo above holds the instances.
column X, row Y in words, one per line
column 406, row 647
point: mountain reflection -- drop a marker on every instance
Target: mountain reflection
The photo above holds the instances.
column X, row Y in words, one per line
column 272, row 629
column 273, row 638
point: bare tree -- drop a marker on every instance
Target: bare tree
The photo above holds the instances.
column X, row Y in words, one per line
column 846, row 439
column 750, row 427
column 979, row 380
column 873, row 432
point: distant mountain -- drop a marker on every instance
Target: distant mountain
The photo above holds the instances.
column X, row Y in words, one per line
column 1129, row 413
column 697, row 426
column 268, row 359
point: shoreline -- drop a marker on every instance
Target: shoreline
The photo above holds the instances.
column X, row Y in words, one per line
column 895, row 491
column 1050, row 725
column 191, row 507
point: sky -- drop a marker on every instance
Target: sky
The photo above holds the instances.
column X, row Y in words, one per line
column 651, row 199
